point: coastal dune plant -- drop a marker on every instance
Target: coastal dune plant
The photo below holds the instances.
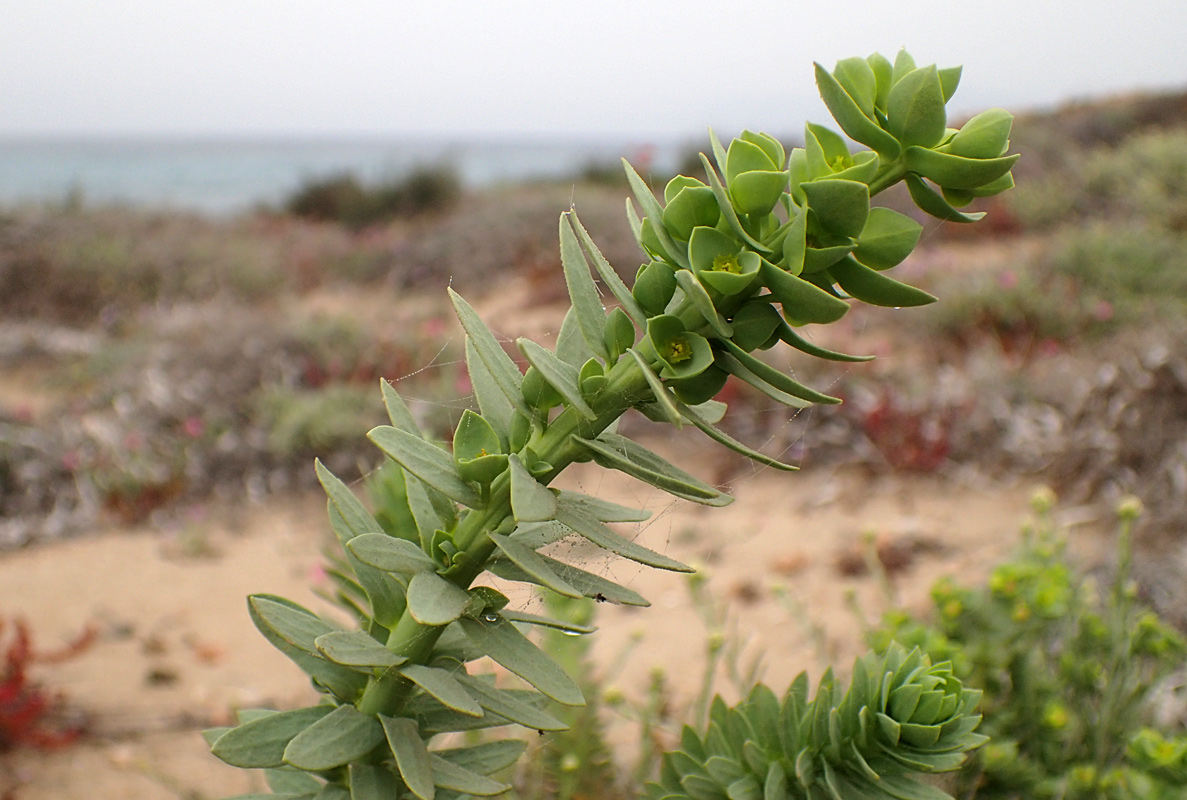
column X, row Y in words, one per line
column 769, row 243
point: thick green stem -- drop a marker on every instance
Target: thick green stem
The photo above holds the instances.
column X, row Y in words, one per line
column 626, row 386
column 888, row 175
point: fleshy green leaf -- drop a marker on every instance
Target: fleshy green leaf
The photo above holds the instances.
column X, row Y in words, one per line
column 583, row 292
column 756, row 193
column 603, row 510
column 655, row 284
column 727, row 209
column 524, row 618
column 926, row 198
column 507, row 704
column 887, row 239
column 342, row 736
column 487, row 757
column 851, row 119
column 857, row 79
column 883, row 74
column 390, row 554
column 428, row 462
column 499, row 639
column 474, row 437
column 534, row 565
column 915, row 108
column 802, row 301
column 692, row 207
column 818, row 259
column 770, row 145
column 450, row 776
column 603, row 537
column 632, row 219
column 356, row 649
column 608, row 274
column 705, row 244
column 557, row 373
column 825, row 149
column 903, row 788
column 683, row 354
column 871, row 286
column 290, row 781
column 653, row 211
column 288, row 621
column 570, row 344
column 723, row 438
column 754, row 323
column 261, row 742
column 211, row 735
column 619, row 334
column 618, row 452
column 397, row 410
column 743, row 156
column 477, row 449
column 663, row 398
column 281, row 623
column 588, row 584
column 694, row 291
column 949, row 80
column 677, row 184
column 412, row 757
column 956, row 172
column 498, row 363
column 442, row 685
column 432, row 600
column 903, row 64
column 743, row 372
column 385, row 595
column 700, row 388
column 986, row 135
column 795, row 244
column 841, row 207
column 369, row 782
column 531, row 501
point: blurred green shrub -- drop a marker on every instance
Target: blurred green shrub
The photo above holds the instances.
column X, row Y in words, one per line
column 1116, row 254
column 315, row 421
column 1144, row 177
column 1140, row 270
column 1018, row 308
column 1070, row 671
column 344, row 199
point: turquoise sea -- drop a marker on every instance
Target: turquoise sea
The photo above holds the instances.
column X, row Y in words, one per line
column 225, row 176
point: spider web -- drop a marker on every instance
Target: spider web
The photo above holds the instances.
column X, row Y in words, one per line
column 441, row 413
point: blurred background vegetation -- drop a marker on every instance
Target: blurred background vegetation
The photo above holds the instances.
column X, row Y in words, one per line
column 157, row 357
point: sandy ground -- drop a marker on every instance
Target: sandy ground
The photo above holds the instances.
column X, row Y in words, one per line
column 176, row 651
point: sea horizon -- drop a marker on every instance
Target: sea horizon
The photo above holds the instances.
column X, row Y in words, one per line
column 222, row 175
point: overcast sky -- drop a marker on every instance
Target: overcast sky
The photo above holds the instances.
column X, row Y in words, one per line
column 479, row 67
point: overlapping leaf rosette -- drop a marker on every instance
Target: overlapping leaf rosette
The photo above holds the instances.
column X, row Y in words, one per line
column 901, row 716
column 774, row 242
column 771, row 243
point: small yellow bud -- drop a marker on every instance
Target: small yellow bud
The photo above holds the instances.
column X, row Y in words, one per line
column 1056, row 716
column 1043, row 500
column 1130, row 508
column 727, row 263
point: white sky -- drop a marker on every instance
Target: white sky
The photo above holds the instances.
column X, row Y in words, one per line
column 476, row 67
